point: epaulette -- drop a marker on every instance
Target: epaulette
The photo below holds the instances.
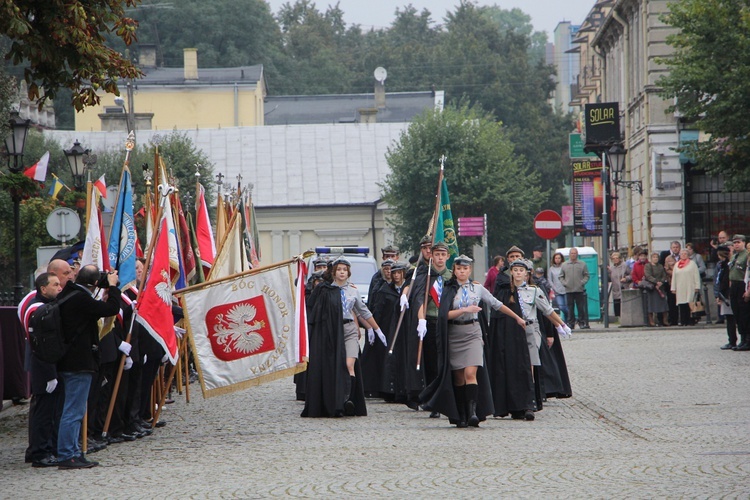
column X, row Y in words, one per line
column 353, row 285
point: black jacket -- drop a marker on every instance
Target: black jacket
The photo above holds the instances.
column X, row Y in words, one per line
column 41, row 371
column 80, row 329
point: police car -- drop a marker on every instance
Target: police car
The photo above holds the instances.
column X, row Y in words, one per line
column 363, row 268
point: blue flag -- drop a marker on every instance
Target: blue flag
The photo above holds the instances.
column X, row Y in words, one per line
column 122, row 238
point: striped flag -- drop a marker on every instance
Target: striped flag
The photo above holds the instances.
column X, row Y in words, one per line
column 38, row 171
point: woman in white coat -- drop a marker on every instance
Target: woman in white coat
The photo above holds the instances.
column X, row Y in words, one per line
column 686, row 282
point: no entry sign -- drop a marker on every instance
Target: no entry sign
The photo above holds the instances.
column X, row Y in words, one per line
column 548, row 224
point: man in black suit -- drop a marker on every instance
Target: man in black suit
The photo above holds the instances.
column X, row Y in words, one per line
column 77, row 367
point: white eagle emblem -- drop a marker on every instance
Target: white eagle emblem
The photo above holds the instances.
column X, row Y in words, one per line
column 238, row 329
column 164, row 289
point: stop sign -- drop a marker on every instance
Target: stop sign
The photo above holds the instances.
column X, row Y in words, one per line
column 548, row 224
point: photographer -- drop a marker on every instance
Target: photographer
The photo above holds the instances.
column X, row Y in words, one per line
column 77, row 367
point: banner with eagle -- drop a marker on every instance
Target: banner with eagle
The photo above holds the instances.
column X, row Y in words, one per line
column 243, row 328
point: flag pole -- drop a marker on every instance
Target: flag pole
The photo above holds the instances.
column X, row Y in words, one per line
column 429, row 265
column 164, row 191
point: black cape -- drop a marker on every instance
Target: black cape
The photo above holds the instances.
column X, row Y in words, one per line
column 439, row 396
column 387, row 311
column 328, row 381
column 507, row 356
column 555, row 382
column 374, row 355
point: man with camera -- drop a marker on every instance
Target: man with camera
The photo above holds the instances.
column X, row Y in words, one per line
column 79, row 316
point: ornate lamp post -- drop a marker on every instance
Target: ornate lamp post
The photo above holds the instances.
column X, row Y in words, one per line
column 77, row 166
column 14, row 145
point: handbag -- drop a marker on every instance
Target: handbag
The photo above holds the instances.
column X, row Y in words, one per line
column 697, row 309
column 646, row 285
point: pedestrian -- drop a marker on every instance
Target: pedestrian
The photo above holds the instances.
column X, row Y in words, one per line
column 670, row 260
column 737, row 290
column 497, row 263
column 619, row 276
column 534, row 307
column 574, row 275
column 657, row 298
column 553, row 276
column 334, row 378
column 698, row 259
column 722, row 292
column 80, row 315
column 461, row 390
column 685, row 285
column 46, row 392
column 537, row 259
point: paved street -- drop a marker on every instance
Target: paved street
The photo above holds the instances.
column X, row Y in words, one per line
column 655, row 413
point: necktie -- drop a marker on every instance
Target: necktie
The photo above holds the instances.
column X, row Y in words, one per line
column 464, row 302
column 343, row 301
column 440, row 286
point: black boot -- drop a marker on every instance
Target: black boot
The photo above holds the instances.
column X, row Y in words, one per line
column 472, row 390
column 744, row 344
column 459, row 392
column 349, row 409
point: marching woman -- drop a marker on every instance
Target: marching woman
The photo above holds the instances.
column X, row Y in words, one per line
column 532, row 301
column 334, row 380
column 374, row 353
column 462, row 391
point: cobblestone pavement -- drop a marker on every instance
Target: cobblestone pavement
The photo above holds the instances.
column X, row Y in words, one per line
column 655, row 413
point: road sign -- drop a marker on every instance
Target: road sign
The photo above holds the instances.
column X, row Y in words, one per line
column 63, row 224
column 548, row 224
column 471, row 226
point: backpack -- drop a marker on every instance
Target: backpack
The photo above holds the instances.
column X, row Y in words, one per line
column 45, row 331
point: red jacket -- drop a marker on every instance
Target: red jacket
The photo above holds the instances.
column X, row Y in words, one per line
column 639, row 271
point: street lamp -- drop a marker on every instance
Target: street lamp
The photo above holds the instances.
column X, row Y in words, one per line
column 14, row 145
column 76, row 163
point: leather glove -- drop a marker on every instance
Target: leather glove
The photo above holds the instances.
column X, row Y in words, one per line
column 404, row 301
column 51, row 384
column 179, row 332
column 128, row 363
column 370, row 336
column 124, row 348
column 422, row 328
column 381, row 336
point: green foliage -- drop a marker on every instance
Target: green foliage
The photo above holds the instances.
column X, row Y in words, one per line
column 483, row 173
column 709, row 75
column 62, row 45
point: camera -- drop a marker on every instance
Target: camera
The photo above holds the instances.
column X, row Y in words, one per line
column 104, row 280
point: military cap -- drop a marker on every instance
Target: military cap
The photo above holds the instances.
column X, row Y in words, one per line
column 440, row 246
column 400, row 265
column 425, row 241
column 387, row 263
column 740, row 237
column 463, row 260
column 722, row 248
column 341, row 260
column 514, row 249
column 389, row 249
column 539, row 270
column 320, row 261
column 522, row 263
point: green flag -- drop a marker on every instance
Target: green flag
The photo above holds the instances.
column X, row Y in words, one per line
column 445, row 230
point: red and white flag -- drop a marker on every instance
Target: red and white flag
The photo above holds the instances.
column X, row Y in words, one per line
column 38, row 171
column 95, row 246
column 101, row 185
column 154, row 307
column 244, row 328
column 203, row 233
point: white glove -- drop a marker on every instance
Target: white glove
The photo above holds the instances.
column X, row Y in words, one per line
column 179, row 332
column 51, row 384
column 128, row 363
column 145, row 358
column 563, row 331
column 370, row 336
column 381, row 336
column 124, row 348
column 422, row 328
column 165, row 358
column 404, row 301
column 568, row 331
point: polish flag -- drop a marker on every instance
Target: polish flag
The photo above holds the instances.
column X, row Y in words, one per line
column 101, row 185
column 203, row 233
column 38, row 171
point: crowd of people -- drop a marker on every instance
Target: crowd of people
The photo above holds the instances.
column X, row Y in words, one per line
column 81, row 383
column 435, row 340
column 672, row 282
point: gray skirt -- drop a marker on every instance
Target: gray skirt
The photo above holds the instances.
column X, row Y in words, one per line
column 351, row 339
column 465, row 346
column 534, row 341
column 657, row 303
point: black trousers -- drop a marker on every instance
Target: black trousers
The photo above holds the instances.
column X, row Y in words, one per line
column 673, row 310
column 731, row 329
column 429, row 352
column 44, row 418
column 740, row 308
column 577, row 304
column 685, row 316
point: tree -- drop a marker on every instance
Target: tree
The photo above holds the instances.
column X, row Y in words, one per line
column 63, row 45
column 483, row 173
column 709, row 76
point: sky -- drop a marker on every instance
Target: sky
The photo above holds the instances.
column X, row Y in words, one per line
column 545, row 14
